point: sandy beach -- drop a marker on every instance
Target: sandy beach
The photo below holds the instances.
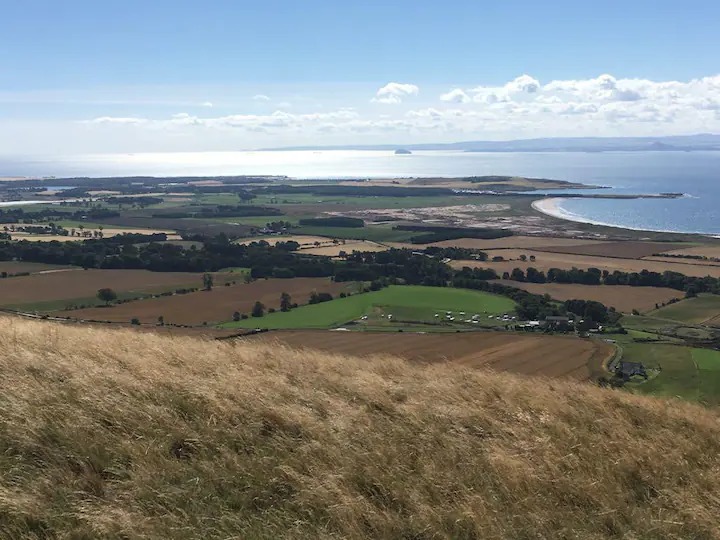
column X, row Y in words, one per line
column 551, row 207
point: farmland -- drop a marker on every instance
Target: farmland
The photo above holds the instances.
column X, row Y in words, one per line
column 17, row 267
column 704, row 309
column 213, row 306
column 545, row 261
column 621, row 250
column 56, row 290
column 550, row 356
column 408, row 304
column 622, row 297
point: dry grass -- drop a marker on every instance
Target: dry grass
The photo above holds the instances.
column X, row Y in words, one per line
column 127, row 435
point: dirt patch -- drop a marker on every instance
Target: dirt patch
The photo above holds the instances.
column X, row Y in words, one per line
column 215, row 306
column 553, row 356
column 622, row 297
column 544, row 261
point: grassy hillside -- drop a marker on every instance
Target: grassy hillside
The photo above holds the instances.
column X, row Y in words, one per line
column 128, row 435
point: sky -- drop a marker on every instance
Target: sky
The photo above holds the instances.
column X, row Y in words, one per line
column 98, row 77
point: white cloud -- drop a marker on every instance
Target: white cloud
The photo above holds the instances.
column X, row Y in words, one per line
column 455, row 96
column 207, row 104
column 522, row 107
column 261, row 97
column 395, row 92
column 117, row 120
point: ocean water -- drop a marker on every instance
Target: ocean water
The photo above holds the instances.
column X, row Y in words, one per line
column 697, row 174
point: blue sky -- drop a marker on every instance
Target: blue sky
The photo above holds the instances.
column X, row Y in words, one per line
column 161, row 75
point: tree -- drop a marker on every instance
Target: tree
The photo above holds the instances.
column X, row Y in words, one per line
column 285, row 302
column 161, row 321
column 258, row 309
column 236, row 316
column 106, row 295
column 207, row 281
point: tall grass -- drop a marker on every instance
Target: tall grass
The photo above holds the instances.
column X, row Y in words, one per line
column 111, row 433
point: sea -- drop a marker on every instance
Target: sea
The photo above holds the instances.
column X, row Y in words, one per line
column 695, row 174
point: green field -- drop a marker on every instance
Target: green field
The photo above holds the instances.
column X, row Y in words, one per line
column 406, row 303
column 685, row 372
column 692, row 310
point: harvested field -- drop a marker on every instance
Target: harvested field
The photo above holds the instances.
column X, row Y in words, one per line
column 508, row 242
column 15, row 267
column 694, row 262
column 84, row 284
column 622, row 250
column 213, row 306
column 552, row 356
column 333, row 250
column 622, row 297
column 544, row 261
column 709, row 251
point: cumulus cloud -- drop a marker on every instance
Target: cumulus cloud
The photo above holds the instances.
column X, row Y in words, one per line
column 395, row 92
column 207, row 104
column 521, row 107
column 455, row 96
column 261, row 97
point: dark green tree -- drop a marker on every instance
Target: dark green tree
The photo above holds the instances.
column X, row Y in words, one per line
column 258, row 309
column 285, row 302
column 106, row 295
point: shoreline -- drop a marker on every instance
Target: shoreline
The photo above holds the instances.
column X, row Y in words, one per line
column 550, row 206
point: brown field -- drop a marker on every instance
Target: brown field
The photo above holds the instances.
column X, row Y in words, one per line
column 552, row 356
column 544, row 261
column 694, row 262
column 14, row 267
column 703, row 251
column 333, row 250
column 622, row 297
column 623, row 250
column 213, row 306
column 76, row 284
column 509, row 242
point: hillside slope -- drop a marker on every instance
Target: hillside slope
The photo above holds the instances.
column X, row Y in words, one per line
column 119, row 434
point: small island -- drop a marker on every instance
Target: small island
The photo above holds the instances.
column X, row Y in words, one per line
column 402, row 152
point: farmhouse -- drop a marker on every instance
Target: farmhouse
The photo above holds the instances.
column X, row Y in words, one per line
column 629, row 369
column 557, row 323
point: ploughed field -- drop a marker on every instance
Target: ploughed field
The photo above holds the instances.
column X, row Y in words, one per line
column 622, row 297
column 551, row 356
column 57, row 290
column 213, row 306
